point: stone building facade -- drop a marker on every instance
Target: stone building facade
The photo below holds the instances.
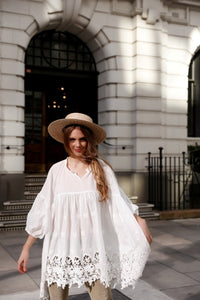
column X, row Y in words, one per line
column 142, row 50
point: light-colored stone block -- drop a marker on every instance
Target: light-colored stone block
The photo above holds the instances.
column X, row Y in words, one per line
column 12, row 164
column 176, row 93
column 111, row 63
column 177, row 42
column 15, row 143
column 16, row 21
column 126, row 62
column 101, row 93
column 126, row 90
column 8, row 51
column 194, row 18
column 148, row 76
column 148, row 130
column 177, row 68
column 121, row 131
column 12, row 113
column 87, row 9
column 116, row 76
column 37, row 9
column 120, row 35
column 110, row 90
column 144, row 48
column 148, row 103
column 177, row 81
column 10, row 97
column 16, row 37
column 121, row 163
column 16, row 6
column 175, row 132
column 148, row 117
column 149, row 35
column 113, row 49
column 179, row 55
column 141, row 163
column 148, row 90
column 12, row 149
column 102, row 38
column 102, row 66
column 116, row 104
column 103, row 6
column 126, row 117
column 12, row 67
column 176, row 106
column 108, row 118
column 148, row 62
column 93, row 44
column 94, row 27
column 12, row 128
column 172, row 147
column 11, row 82
column 175, row 119
column 143, row 146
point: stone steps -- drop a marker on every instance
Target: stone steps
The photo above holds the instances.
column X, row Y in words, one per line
column 14, row 213
column 146, row 211
column 17, row 205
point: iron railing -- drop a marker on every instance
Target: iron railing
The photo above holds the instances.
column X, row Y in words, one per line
column 173, row 182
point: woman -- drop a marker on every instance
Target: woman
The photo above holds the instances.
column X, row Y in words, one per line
column 92, row 232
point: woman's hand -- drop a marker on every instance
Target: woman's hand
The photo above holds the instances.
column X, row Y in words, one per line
column 144, row 228
column 24, row 256
column 23, row 260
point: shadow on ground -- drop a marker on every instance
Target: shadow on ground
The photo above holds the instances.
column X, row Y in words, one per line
column 116, row 295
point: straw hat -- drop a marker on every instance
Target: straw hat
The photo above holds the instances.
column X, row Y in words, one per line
column 55, row 128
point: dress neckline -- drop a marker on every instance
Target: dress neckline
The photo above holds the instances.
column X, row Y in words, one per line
column 87, row 170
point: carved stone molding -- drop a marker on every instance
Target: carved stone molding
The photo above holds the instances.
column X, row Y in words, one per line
column 189, row 3
column 71, row 10
column 128, row 8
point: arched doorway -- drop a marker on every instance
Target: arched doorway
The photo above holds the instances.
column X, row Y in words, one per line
column 61, row 78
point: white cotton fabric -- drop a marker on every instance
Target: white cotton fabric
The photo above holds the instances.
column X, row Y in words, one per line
column 85, row 239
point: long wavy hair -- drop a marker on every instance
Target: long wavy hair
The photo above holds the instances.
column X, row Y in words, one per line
column 91, row 157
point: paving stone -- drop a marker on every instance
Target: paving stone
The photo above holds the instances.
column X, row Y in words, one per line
column 163, row 277
column 187, row 293
column 194, row 275
column 6, row 261
column 14, row 282
column 177, row 261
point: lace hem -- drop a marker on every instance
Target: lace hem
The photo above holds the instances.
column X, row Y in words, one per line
column 111, row 270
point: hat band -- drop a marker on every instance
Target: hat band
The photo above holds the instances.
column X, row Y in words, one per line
column 77, row 125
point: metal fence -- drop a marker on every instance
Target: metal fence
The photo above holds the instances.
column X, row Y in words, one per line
column 173, row 182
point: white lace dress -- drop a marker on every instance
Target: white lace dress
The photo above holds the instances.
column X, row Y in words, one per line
column 85, row 239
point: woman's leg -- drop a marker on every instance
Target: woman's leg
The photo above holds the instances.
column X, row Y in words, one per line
column 57, row 292
column 98, row 291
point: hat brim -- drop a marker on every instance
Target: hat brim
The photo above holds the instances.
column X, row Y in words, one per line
column 55, row 129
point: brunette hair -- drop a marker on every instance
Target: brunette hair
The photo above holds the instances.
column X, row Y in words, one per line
column 91, row 157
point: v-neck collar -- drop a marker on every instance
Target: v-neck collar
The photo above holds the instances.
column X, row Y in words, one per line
column 87, row 171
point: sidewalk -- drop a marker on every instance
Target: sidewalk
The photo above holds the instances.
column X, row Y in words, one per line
column 172, row 272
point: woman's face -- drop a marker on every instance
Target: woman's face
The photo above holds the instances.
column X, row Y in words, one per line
column 77, row 143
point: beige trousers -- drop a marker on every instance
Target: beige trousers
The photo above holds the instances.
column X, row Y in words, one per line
column 97, row 291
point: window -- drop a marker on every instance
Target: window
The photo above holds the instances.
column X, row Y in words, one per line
column 59, row 50
column 194, row 97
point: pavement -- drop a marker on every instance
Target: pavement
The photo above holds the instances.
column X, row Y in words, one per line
column 172, row 271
